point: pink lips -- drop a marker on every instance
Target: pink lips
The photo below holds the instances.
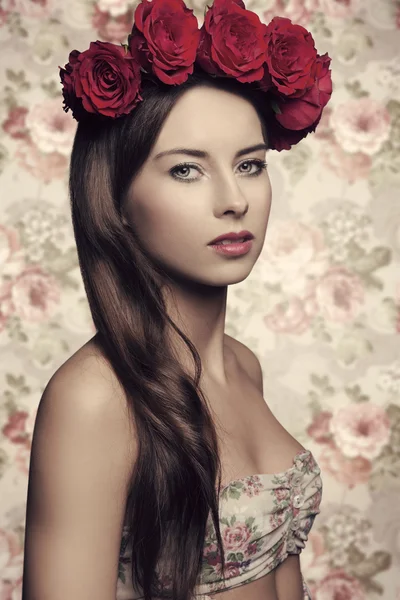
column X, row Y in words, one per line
column 232, row 235
column 233, row 249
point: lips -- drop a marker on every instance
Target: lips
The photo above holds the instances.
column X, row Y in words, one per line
column 233, row 236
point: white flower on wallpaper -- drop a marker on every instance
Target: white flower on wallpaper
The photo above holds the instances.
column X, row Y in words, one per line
column 339, row 9
column 389, row 378
column 47, row 46
column 293, row 252
column 352, row 43
column 384, row 513
column 28, row 8
column 114, row 7
column 361, row 125
column 77, row 14
column 350, row 348
column 299, row 11
column 386, row 73
column 383, row 14
column 45, row 231
column 51, row 129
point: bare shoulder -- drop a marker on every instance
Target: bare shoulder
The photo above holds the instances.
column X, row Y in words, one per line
column 82, row 459
column 86, row 385
column 248, row 360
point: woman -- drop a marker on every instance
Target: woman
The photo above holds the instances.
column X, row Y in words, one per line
column 157, row 468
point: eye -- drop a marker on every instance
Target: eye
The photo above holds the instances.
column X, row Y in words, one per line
column 184, row 169
column 260, row 164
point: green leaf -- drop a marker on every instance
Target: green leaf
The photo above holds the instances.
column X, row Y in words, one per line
column 275, row 107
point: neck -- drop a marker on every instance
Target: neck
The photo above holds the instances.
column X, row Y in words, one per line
column 200, row 312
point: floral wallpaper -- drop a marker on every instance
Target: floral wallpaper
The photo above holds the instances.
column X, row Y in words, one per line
column 321, row 308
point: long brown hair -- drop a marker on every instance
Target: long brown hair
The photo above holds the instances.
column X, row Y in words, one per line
column 173, row 486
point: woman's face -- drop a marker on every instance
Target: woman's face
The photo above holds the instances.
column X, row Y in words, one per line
column 178, row 203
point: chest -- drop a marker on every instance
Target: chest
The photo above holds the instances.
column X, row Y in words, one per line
column 251, row 439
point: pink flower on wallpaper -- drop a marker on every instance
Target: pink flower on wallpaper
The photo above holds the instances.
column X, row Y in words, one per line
column 288, row 316
column 114, row 7
column 299, row 11
column 15, row 124
column 361, row 125
column 11, row 263
column 361, row 429
column 339, row 295
column 6, row 310
column 236, row 536
column 9, row 245
column 346, row 166
column 319, row 429
column 11, row 559
column 35, row 295
column 315, row 557
column 324, row 129
column 293, row 253
column 340, row 8
column 348, row 471
column 22, row 457
column 338, row 585
column 51, row 129
column 29, row 8
column 14, row 428
column 114, row 30
column 3, row 21
column 43, row 166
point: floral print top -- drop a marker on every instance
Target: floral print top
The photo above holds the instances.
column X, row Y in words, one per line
column 263, row 519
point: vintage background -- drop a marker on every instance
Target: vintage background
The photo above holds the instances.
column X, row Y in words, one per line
column 321, row 308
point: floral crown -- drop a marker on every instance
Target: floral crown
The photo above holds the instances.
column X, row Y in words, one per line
column 278, row 59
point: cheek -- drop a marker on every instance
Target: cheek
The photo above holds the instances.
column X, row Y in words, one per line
column 160, row 218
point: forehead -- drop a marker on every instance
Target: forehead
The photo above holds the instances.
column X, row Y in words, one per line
column 210, row 118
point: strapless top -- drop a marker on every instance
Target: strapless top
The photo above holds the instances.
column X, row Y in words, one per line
column 263, row 519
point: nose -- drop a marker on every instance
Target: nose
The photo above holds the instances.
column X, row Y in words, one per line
column 230, row 197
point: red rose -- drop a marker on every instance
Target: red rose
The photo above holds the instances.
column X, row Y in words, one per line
column 296, row 117
column 300, row 113
column 232, row 42
column 164, row 39
column 290, row 56
column 104, row 78
column 66, row 77
column 280, row 138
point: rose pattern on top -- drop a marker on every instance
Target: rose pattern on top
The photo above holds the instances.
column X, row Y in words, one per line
column 252, row 508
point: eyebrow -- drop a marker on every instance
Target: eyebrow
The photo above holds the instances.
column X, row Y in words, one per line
column 203, row 154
